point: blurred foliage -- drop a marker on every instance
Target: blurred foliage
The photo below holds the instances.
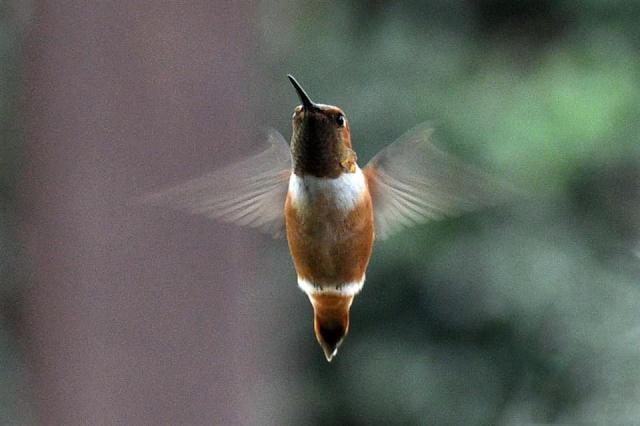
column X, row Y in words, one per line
column 523, row 313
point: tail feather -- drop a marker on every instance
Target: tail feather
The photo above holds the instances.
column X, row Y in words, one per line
column 331, row 321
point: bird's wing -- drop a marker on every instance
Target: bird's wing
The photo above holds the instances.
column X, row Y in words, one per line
column 411, row 182
column 251, row 192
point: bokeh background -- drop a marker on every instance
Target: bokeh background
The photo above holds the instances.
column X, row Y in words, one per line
column 114, row 313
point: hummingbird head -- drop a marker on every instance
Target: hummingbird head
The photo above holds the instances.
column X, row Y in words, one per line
column 331, row 321
column 321, row 139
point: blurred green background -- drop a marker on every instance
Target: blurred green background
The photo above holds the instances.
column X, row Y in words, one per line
column 523, row 313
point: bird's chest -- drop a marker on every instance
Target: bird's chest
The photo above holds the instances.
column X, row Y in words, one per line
column 329, row 227
column 323, row 206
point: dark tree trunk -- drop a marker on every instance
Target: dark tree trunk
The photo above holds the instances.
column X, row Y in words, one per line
column 133, row 311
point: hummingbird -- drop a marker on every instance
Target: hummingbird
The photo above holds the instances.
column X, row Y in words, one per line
column 331, row 211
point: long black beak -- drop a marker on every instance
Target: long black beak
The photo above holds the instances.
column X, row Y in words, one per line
column 307, row 103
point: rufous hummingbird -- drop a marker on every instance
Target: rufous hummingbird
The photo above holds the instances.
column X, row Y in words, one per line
column 330, row 209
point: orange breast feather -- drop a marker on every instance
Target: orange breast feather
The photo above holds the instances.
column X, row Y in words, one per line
column 329, row 246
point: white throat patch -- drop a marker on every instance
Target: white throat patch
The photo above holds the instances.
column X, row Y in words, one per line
column 344, row 191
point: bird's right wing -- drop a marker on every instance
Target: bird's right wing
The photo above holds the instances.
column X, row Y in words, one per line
column 411, row 181
column 251, row 192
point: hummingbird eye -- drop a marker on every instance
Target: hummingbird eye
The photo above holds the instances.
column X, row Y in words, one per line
column 340, row 120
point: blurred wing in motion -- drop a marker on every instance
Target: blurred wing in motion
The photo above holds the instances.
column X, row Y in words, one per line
column 250, row 192
column 412, row 181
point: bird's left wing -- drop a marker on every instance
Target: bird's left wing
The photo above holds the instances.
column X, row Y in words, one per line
column 411, row 181
column 251, row 192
